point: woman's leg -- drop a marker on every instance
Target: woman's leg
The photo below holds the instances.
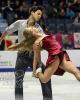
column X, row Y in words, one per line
column 71, row 68
column 49, row 71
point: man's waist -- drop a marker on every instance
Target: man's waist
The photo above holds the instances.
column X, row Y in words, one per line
column 25, row 52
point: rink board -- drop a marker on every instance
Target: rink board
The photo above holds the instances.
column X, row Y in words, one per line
column 8, row 59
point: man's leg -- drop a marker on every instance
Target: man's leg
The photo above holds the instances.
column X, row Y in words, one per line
column 23, row 61
column 46, row 88
column 20, row 68
column 19, row 85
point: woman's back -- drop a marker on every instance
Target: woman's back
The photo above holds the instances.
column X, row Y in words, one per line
column 51, row 45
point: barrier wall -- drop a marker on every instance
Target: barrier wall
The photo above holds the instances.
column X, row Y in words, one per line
column 8, row 59
column 74, row 56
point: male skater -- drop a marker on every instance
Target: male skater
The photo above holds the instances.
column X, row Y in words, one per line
column 25, row 58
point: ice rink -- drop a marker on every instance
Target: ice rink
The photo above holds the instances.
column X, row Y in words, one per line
column 64, row 87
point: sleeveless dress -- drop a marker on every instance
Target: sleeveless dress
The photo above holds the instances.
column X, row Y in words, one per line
column 51, row 45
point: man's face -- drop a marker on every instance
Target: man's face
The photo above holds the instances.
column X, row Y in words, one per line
column 37, row 15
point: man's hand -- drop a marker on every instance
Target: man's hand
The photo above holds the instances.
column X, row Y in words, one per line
column 3, row 36
column 0, row 40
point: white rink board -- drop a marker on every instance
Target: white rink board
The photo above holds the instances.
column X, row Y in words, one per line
column 8, row 58
column 73, row 54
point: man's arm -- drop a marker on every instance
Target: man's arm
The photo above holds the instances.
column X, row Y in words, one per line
column 10, row 29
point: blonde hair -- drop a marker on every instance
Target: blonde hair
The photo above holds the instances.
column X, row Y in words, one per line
column 29, row 38
column 27, row 43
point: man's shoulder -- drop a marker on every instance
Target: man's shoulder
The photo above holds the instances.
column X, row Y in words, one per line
column 22, row 20
column 37, row 25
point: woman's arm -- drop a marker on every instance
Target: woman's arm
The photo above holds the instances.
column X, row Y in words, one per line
column 37, row 56
column 13, row 47
column 17, row 46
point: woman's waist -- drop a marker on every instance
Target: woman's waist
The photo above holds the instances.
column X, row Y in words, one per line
column 54, row 51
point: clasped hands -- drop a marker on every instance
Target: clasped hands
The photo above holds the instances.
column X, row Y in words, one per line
column 34, row 74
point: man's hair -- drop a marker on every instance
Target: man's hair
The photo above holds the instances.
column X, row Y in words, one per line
column 35, row 8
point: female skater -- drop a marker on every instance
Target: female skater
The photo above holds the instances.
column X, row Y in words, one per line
column 57, row 57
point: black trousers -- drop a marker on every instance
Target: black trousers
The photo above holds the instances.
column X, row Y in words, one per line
column 23, row 61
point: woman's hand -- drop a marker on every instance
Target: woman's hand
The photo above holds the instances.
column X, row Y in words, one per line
column 34, row 75
column 11, row 48
column 14, row 47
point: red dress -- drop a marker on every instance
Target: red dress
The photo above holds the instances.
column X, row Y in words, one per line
column 51, row 45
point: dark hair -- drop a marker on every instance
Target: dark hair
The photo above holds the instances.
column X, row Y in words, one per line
column 35, row 8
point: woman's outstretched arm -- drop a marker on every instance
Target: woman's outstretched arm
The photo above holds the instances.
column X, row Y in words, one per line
column 37, row 56
column 17, row 46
